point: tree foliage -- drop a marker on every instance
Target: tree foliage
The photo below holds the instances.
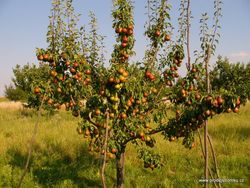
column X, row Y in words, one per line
column 231, row 77
column 14, row 94
column 24, row 78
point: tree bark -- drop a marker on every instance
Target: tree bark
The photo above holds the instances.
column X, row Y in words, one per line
column 206, row 155
column 120, row 170
column 105, row 153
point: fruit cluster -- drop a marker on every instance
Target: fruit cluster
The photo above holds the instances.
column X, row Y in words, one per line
column 69, row 74
column 124, row 29
column 159, row 26
column 176, row 58
column 191, row 118
column 158, row 37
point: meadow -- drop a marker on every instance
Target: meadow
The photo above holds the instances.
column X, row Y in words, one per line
column 61, row 158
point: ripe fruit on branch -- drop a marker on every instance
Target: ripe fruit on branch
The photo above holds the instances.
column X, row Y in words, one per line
column 152, row 77
column 40, row 57
column 75, row 65
column 53, row 73
column 215, row 103
column 197, row 96
column 46, row 57
column 145, row 94
column 154, row 90
column 147, row 74
column 67, row 63
column 130, row 32
column 37, row 90
column 148, row 139
column 131, row 27
column 157, row 33
column 167, row 38
column 111, row 80
column 88, row 72
column 50, row 101
column 122, row 79
column 172, row 68
column 123, row 116
column 193, row 145
column 124, row 44
column 124, row 30
column 236, row 110
column 87, row 81
column 141, row 134
column 87, row 132
column 207, row 112
column 193, row 70
column 118, row 86
column 79, row 74
column 118, row 30
column 111, row 115
column 220, row 100
column 59, row 90
column 102, row 92
column 129, row 103
column 125, row 74
column 113, row 150
column 125, row 39
column 143, row 100
column 183, row 91
column 97, row 112
column 121, row 70
column 169, row 83
column 172, row 138
column 72, row 70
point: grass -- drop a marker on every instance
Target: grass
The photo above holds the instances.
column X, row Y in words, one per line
column 3, row 99
column 61, row 159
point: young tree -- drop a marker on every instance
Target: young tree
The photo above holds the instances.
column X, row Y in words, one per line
column 124, row 103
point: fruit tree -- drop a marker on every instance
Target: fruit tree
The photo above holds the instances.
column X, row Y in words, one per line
column 126, row 102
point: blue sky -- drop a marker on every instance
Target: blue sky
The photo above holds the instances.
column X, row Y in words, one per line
column 23, row 27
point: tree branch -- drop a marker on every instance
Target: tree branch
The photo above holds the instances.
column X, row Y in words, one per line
column 188, row 36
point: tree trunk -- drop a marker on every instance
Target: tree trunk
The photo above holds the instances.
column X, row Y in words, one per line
column 208, row 55
column 120, row 170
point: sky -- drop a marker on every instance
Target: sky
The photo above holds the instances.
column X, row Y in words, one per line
column 23, row 27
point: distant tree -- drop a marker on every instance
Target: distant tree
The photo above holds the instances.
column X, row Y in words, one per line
column 24, row 79
column 232, row 77
column 14, row 94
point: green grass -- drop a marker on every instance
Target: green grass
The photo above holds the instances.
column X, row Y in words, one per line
column 61, row 159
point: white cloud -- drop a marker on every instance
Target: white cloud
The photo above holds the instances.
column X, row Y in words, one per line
column 242, row 56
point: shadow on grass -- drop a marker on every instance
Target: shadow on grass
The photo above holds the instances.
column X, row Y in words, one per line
column 54, row 166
